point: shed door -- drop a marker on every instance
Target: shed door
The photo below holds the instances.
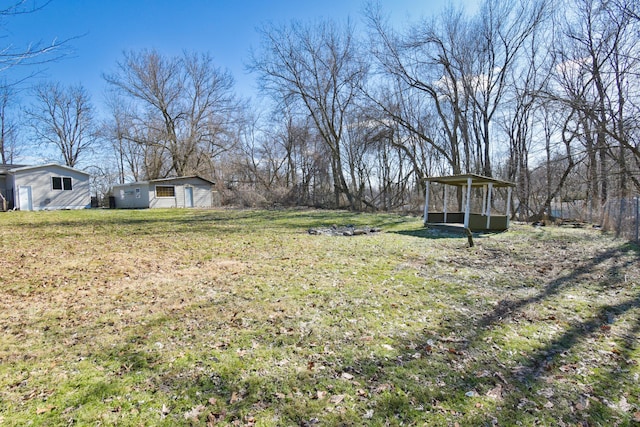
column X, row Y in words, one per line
column 26, row 203
column 188, row 197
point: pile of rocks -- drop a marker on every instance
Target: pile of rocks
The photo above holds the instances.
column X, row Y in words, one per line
column 347, row 230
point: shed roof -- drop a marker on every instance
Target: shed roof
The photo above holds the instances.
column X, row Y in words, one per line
column 183, row 177
column 165, row 180
column 476, row 180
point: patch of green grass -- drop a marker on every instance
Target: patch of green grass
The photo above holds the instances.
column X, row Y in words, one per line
column 241, row 317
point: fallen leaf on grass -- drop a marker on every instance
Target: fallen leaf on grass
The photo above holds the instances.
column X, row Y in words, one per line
column 383, row 387
column 320, row 394
column 194, row 413
column 502, row 378
column 583, row 404
column 235, row 398
column 346, row 376
column 165, row 411
column 636, row 417
column 483, row 374
column 213, row 418
column 337, row 398
column 623, row 405
column 496, row 392
column 44, row 410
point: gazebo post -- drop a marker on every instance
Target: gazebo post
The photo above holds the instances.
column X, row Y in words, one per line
column 426, row 202
column 467, row 207
column 446, row 194
column 484, row 199
column 488, row 211
column 464, row 196
column 508, row 205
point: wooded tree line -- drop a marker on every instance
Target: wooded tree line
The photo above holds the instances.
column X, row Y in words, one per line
column 355, row 115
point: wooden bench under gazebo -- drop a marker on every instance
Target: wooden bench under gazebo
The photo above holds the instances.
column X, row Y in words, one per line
column 476, row 194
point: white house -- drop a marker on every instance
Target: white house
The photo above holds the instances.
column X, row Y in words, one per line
column 44, row 187
column 181, row 192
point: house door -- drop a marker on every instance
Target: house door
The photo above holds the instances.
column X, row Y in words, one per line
column 26, row 203
column 188, row 197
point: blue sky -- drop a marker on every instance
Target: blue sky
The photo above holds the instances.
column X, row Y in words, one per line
column 224, row 28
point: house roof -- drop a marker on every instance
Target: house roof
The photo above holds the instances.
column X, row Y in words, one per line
column 476, row 180
column 6, row 167
column 20, row 168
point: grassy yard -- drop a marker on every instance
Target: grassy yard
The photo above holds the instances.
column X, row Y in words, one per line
column 215, row 317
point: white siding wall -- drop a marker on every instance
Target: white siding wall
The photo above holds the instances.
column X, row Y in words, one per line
column 132, row 196
column 127, row 197
column 43, row 195
column 202, row 196
column 201, row 193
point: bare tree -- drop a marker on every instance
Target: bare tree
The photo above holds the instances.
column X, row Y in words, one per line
column 8, row 126
column 497, row 41
column 129, row 156
column 318, row 67
column 461, row 64
column 528, row 117
column 33, row 53
column 307, row 158
column 182, row 110
column 597, row 75
column 63, row 118
column 416, row 64
column 12, row 55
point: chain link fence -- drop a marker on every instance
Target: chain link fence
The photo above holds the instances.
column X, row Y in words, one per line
column 622, row 217
column 619, row 216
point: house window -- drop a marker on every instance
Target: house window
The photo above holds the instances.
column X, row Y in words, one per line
column 61, row 183
column 165, row 191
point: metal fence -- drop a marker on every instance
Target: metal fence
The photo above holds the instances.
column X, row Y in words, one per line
column 622, row 217
column 619, row 216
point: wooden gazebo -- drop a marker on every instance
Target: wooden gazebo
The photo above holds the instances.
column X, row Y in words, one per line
column 474, row 221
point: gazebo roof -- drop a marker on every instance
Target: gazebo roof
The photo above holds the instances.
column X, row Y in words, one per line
column 476, row 180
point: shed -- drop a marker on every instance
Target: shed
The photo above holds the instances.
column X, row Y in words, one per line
column 44, row 187
column 482, row 219
column 180, row 192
